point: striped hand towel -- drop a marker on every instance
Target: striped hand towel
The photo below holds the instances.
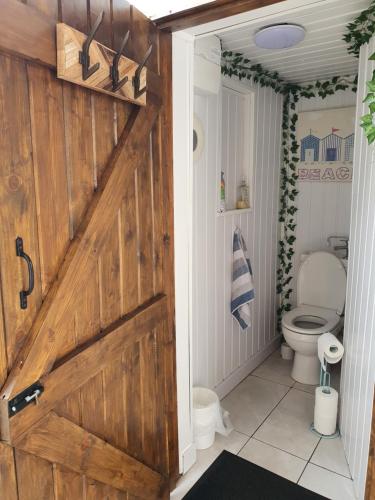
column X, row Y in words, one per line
column 242, row 282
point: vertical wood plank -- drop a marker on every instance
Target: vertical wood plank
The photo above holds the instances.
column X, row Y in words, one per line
column 145, row 34
column 145, row 230
column 163, row 412
column 75, row 14
column 46, row 110
column 79, row 406
column 115, row 405
column 109, row 277
column 92, row 406
column 49, row 7
column 87, row 325
column 3, row 348
column 123, row 111
column 17, row 199
column 165, row 48
column 133, row 404
column 87, row 313
column 149, row 399
column 121, row 23
column 34, row 477
column 8, row 481
column 129, row 250
column 104, row 131
column 79, row 151
column 68, row 484
column 104, row 33
column 157, row 208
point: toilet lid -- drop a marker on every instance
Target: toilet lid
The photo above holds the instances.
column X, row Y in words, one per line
column 311, row 320
column 322, row 282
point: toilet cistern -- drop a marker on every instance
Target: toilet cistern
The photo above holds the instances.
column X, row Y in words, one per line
column 341, row 239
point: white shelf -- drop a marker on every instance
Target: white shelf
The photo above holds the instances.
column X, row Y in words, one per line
column 235, row 211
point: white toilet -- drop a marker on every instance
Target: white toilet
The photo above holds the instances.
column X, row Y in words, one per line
column 321, row 287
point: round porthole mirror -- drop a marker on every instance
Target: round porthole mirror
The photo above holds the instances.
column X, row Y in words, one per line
column 198, row 138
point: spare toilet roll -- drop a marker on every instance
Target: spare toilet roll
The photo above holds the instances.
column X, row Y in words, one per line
column 325, row 413
column 330, row 349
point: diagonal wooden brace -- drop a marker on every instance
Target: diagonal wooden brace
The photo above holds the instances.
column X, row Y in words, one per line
column 39, row 352
column 58, row 440
column 79, row 368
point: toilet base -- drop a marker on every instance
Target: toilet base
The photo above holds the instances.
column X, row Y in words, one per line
column 306, row 369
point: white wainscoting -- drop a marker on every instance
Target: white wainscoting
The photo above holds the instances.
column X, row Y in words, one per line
column 223, row 354
column 323, row 208
column 357, row 382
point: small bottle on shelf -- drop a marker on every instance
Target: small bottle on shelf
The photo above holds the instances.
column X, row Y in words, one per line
column 243, row 201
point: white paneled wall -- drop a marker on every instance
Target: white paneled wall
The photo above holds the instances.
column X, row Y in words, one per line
column 323, row 208
column 222, row 353
column 358, row 375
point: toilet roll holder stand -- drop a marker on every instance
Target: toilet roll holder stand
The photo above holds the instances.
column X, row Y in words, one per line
column 325, row 381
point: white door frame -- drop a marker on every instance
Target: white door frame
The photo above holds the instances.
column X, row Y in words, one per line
column 183, row 104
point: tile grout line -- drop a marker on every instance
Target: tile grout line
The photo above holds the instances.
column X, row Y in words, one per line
column 251, row 435
column 271, row 381
column 239, row 451
column 280, row 449
column 329, row 470
column 273, row 409
column 308, row 461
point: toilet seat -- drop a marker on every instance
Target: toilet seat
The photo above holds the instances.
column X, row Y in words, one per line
column 311, row 320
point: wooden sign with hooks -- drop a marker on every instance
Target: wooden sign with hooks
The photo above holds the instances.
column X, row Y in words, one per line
column 82, row 60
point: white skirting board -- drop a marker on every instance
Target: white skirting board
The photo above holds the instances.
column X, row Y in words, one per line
column 236, row 377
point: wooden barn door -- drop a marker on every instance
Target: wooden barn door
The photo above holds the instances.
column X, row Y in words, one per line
column 85, row 182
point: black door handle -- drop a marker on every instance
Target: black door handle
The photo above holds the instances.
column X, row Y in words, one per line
column 21, row 253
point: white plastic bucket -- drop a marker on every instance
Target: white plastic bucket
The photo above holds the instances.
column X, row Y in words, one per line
column 206, row 408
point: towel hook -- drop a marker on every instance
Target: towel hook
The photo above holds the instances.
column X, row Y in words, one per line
column 114, row 72
column 84, row 56
column 137, row 77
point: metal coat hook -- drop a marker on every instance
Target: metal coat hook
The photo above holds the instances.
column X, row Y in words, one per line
column 84, row 56
column 137, row 77
column 114, row 72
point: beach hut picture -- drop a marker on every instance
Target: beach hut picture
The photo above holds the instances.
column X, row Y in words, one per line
column 310, row 146
column 349, row 147
column 326, row 145
column 331, row 147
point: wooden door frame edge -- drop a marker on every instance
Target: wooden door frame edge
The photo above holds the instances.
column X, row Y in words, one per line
column 209, row 12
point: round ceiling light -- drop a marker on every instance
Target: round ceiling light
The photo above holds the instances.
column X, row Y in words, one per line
column 279, row 36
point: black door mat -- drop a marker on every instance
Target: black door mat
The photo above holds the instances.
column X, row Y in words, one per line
column 233, row 478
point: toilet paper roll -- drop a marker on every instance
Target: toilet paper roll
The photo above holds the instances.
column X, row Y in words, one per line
column 325, row 412
column 329, row 349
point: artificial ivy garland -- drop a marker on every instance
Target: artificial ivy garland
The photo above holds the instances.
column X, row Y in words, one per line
column 235, row 64
column 358, row 33
column 368, row 120
column 360, row 30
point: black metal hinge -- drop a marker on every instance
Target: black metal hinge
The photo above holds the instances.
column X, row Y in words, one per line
column 24, row 398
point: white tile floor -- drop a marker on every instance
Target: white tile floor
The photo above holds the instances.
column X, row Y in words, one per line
column 271, row 414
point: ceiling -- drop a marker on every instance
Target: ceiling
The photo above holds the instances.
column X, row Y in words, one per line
column 322, row 54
